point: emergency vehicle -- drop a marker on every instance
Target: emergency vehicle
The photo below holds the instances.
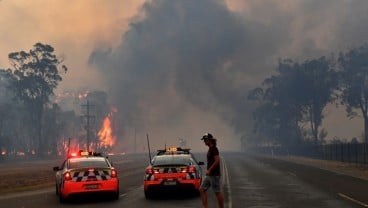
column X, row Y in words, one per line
column 86, row 172
column 173, row 168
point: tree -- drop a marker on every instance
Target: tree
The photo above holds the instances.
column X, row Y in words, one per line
column 37, row 75
column 279, row 113
column 10, row 115
column 285, row 92
column 293, row 98
column 264, row 121
column 319, row 82
column 4, row 112
column 354, row 83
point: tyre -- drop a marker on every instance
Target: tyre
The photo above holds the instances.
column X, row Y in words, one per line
column 56, row 190
column 147, row 194
column 196, row 192
column 116, row 195
column 62, row 200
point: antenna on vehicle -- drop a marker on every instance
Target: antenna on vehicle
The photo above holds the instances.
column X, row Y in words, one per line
column 68, row 146
column 149, row 150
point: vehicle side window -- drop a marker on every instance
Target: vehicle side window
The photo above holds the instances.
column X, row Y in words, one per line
column 63, row 165
column 192, row 161
column 195, row 160
column 153, row 160
column 109, row 163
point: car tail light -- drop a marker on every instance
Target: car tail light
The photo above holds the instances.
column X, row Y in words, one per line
column 114, row 173
column 191, row 169
column 149, row 170
column 152, row 170
column 67, row 176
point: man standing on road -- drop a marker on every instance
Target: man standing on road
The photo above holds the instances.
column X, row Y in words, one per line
column 212, row 178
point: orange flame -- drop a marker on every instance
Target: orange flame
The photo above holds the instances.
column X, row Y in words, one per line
column 105, row 134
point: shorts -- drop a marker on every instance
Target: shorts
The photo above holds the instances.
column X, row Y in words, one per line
column 211, row 181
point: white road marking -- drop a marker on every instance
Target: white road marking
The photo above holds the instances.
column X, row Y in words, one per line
column 291, row 173
column 227, row 184
column 353, row 200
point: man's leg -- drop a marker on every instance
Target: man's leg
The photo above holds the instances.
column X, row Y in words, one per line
column 220, row 199
column 204, row 198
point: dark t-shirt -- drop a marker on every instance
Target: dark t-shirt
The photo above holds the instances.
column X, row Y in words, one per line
column 212, row 152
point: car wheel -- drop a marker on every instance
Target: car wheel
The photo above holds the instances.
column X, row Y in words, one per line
column 116, row 195
column 147, row 194
column 197, row 192
column 61, row 198
column 56, row 189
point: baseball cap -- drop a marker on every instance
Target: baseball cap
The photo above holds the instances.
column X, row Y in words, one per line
column 207, row 136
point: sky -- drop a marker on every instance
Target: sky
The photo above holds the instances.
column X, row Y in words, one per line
column 178, row 69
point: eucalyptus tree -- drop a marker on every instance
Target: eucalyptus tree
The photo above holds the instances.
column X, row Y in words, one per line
column 266, row 119
column 284, row 92
column 12, row 126
column 294, row 98
column 5, row 110
column 354, row 83
column 318, row 85
column 279, row 112
column 37, row 74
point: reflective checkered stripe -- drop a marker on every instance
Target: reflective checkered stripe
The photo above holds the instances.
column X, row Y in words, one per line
column 177, row 170
column 96, row 175
column 170, row 170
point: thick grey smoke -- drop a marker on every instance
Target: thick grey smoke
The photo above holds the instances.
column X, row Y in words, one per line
column 183, row 57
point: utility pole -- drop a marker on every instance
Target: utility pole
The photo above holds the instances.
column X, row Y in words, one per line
column 88, row 120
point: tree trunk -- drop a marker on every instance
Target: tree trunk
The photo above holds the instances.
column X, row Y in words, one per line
column 41, row 142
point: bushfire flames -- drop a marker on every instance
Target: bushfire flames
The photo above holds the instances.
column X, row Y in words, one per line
column 105, row 134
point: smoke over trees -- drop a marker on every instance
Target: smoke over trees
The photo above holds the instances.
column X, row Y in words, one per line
column 33, row 78
column 299, row 93
column 184, row 67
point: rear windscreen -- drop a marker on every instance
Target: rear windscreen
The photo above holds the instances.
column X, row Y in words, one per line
column 87, row 163
column 172, row 160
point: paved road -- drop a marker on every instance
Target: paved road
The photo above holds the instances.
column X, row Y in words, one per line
column 267, row 182
column 247, row 182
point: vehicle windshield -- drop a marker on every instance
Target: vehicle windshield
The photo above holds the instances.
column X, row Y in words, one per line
column 88, row 163
column 172, row 160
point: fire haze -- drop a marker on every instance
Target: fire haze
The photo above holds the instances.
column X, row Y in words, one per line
column 182, row 68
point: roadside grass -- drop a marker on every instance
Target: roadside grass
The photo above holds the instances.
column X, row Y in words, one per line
column 26, row 177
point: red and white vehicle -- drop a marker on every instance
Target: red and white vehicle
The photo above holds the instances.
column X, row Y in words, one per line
column 172, row 169
column 86, row 172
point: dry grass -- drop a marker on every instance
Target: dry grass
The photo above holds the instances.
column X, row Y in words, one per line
column 355, row 170
column 26, row 176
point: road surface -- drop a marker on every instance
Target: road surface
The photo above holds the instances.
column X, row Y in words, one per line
column 248, row 181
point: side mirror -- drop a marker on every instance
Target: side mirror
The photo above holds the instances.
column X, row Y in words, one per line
column 56, row 168
column 200, row 163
